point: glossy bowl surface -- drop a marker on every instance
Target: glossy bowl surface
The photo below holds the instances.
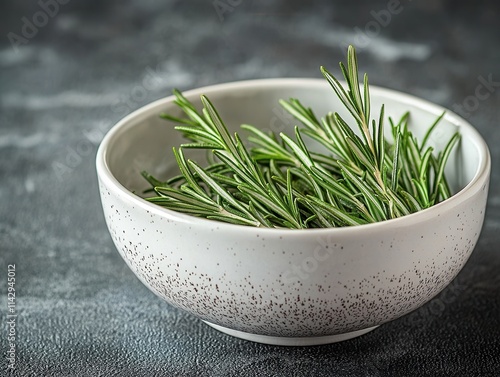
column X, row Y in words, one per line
column 289, row 287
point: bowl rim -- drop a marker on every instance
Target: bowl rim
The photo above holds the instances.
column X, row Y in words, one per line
column 481, row 176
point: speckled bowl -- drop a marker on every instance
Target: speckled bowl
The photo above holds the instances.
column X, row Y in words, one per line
column 288, row 287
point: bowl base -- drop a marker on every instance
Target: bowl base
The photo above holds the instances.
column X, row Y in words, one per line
column 291, row 341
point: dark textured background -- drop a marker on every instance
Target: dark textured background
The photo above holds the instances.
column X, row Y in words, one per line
column 81, row 310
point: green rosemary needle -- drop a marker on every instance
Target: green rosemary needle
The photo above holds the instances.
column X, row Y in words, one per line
column 279, row 183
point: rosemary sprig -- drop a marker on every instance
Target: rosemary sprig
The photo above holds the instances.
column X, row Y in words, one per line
column 362, row 177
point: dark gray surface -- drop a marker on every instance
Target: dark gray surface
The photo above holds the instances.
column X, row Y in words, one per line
column 81, row 311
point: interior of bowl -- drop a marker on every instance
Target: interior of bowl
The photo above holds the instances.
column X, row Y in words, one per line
column 144, row 141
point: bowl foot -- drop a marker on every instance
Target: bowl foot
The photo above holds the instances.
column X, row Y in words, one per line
column 291, row 341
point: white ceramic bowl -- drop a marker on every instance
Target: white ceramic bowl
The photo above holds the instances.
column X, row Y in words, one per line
column 288, row 287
